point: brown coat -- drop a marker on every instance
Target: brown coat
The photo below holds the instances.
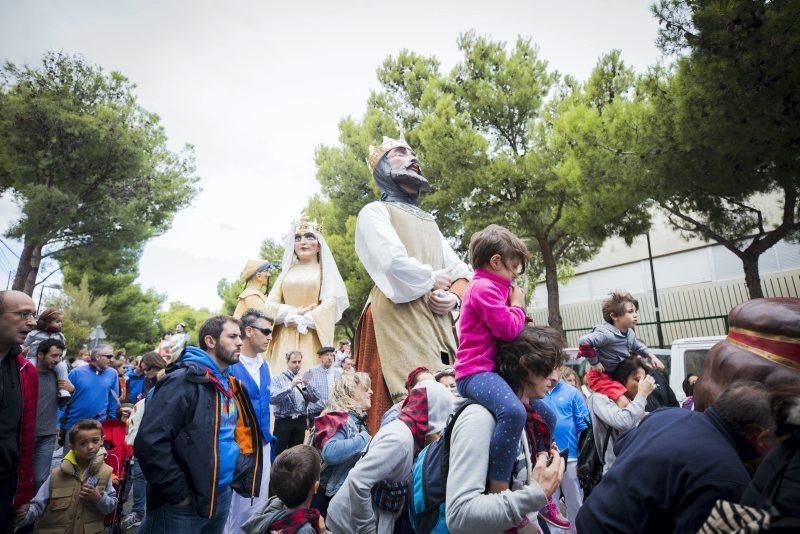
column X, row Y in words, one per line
column 66, row 512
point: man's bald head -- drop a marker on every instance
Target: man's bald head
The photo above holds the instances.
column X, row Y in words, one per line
column 17, row 318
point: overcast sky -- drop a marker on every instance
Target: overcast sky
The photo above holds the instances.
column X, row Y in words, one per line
column 256, row 86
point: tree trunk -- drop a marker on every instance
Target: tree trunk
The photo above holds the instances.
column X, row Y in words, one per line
column 28, row 268
column 551, row 283
column 751, row 276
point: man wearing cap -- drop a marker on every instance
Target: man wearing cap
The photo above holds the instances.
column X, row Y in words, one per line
column 418, row 278
column 321, row 378
column 256, row 277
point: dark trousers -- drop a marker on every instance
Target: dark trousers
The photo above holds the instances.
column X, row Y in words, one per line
column 289, row 432
column 8, row 488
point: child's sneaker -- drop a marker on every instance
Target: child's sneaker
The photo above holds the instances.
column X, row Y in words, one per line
column 131, row 520
column 552, row 515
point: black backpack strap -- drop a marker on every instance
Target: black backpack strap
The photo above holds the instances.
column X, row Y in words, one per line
column 605, row 447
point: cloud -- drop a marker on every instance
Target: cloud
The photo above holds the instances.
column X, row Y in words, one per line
column 256, row 86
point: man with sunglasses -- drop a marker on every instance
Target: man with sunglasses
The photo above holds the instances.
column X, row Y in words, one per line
column 96, row 394
column 254, row 372
column 19, row 388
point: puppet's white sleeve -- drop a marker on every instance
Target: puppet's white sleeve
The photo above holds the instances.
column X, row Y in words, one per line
column 400, row 277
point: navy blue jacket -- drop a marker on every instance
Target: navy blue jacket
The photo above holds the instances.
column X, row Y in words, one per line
column 176, row 445
column 669, row 472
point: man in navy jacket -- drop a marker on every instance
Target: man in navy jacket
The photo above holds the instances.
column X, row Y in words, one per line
column 196, row 432
column 673, row 467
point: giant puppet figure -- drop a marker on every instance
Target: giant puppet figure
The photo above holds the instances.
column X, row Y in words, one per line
column 308, row 297
column 763, row 345
column 418, row 278
column 256, row 277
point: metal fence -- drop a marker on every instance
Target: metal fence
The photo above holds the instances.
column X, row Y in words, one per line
column 689, row 311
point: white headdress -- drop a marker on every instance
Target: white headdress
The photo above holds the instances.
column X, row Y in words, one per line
column 332, row 284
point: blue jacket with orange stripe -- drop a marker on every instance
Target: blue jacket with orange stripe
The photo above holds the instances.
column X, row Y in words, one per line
column 178, row 444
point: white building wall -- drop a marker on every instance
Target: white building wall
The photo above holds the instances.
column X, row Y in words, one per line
column 710, row 263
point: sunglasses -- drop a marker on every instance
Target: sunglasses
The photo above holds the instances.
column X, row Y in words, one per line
column 265, row 331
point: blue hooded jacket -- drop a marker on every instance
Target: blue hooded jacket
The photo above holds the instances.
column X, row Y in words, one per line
column 227, row 447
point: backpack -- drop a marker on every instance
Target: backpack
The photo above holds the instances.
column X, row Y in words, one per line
column 429, row 482
column 590, row 460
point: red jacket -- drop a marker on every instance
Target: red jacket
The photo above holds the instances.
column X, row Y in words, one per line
column 117, row 451
column 29, row 386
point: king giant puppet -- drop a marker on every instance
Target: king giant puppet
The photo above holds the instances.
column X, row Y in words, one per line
column 419, row 280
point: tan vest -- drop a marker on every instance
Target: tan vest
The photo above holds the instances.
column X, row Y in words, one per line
column 410, row 334
column 251, row 297
column 66, row 512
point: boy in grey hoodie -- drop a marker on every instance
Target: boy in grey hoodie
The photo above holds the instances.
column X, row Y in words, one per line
column 611, row 342
column 294, row 479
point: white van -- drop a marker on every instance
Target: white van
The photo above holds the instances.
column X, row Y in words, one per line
column 686, row 356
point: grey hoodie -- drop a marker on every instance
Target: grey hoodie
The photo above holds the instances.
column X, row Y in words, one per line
column 610, row 346
column 262, row 518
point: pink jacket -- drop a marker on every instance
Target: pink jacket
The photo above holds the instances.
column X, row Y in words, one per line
column 486, row 318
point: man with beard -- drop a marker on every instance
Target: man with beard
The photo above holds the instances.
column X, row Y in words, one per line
column 19, row 388
column 48, row 354
column 418, row 279
column 194, row 429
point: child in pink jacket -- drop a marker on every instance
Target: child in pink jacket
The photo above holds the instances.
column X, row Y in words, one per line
column 493, row 309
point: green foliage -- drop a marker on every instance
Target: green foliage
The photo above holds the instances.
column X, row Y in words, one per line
column 272, row 251
column 82, row 312
column 89, row 168
column 132, row 313
column 179, row 312
column 229, row 291
column 502, row 140
column 724, row 127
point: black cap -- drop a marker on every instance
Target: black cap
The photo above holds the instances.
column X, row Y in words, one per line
column 325, row 350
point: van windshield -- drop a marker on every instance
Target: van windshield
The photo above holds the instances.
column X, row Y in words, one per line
column 694, row 359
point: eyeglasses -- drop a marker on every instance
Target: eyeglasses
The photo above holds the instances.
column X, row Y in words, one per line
column 24, row 314
column 105, row 355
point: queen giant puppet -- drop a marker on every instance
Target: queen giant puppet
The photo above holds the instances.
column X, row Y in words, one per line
column 308, row 297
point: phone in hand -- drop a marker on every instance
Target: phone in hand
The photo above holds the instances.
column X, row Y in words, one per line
column 563, row 453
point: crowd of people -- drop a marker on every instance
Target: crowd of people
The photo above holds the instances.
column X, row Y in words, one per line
column 452, row 412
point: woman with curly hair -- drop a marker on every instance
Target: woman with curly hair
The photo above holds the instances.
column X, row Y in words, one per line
column 340, row 434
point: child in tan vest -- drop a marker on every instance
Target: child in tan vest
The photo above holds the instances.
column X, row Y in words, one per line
column 79, row 494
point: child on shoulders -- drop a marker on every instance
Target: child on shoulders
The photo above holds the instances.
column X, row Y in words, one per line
column 78, row 495
column 612, row 342
column 493, row 310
